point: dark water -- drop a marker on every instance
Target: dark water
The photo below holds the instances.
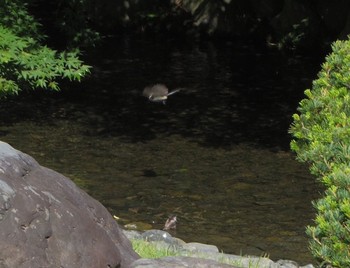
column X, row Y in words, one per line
column 216, row 154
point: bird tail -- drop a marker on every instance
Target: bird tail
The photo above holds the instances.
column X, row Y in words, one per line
column 174, row 91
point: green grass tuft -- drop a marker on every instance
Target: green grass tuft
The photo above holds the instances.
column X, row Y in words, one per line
column 152, row 250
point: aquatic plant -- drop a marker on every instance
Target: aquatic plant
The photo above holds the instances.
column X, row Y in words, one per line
column 321, row 132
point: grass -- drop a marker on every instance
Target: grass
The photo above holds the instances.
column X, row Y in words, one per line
column 152, row 250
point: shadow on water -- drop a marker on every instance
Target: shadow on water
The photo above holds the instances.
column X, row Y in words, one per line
column 216, row 154
column 231, row 95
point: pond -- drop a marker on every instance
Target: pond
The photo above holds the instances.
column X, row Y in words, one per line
column 216, row 154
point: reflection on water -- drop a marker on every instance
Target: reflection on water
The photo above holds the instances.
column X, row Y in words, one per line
column 216, row 154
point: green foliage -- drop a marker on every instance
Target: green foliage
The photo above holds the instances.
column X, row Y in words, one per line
column 321, row 133
column 72, row 18
column 294, row 38
column 14, row 15
column 26, row 63
column 150, row 250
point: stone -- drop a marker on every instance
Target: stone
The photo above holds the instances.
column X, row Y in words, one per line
column 307, row 266
column 287, row 264
column 199, row 247
column 157, row 235
column 178, row 262
column 194, row 251
column 291, row 264
column 132, row 234
column 47, row 221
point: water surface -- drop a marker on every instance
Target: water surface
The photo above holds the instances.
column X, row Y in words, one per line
column 216, row 154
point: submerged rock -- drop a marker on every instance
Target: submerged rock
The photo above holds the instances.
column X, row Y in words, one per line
column 47, row 221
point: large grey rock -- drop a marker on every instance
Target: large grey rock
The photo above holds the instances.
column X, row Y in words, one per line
column 47, row 221
column 199, row 247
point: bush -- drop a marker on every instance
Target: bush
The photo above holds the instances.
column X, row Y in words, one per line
column 321, row 134
column 24, row 62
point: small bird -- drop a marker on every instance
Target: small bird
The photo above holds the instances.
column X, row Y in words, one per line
column 158, row 93
column 170, row 223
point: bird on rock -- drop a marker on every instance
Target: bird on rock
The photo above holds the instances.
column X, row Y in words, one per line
column 158, row 93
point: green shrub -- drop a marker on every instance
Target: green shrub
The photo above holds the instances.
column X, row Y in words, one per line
column 321, row 134
column 24, row 62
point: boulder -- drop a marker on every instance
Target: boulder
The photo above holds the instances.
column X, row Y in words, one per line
column 47, row 221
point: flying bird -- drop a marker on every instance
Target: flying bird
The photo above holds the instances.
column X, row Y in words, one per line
column 158, row 93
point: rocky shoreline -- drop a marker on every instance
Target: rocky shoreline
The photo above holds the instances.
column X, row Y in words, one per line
column 199, row 255
column 47, row 221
